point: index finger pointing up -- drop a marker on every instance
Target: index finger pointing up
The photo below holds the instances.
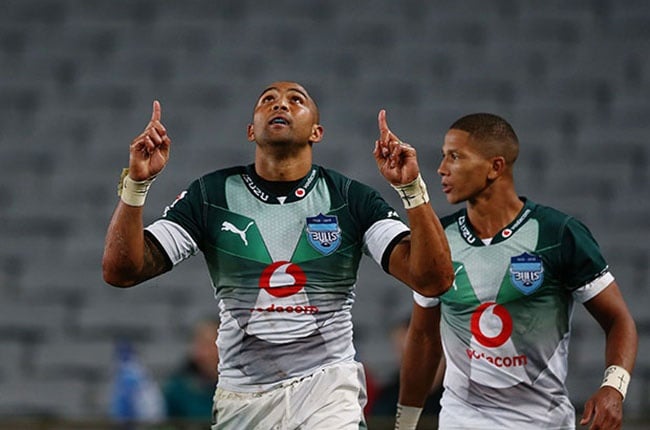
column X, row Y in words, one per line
column 157, row 111
column 384, row 132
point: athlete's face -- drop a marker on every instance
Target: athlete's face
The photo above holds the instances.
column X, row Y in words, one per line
column 465, row 172
column 285, row 113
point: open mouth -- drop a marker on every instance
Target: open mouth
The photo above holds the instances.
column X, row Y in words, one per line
column 279, row 120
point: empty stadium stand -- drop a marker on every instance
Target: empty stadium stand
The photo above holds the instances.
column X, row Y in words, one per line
column 76, row 83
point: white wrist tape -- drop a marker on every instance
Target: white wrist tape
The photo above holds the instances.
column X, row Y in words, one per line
column 414, row 193
column 133, row 193
column 407, row 417
column 618, row 378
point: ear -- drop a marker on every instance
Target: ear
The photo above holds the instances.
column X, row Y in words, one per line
column 497, row 168
column 250, row 133
column 316, row 133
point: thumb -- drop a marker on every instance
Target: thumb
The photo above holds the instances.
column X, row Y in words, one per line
column 156, row 111
column 587, row 413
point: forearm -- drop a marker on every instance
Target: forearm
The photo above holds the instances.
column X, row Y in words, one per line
column 612, row 314
column 421, row 356
column 418, row 370
column 621, row 343
column 604, row 409
column 621, row 338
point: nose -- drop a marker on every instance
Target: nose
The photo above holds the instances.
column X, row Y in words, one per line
column 442, row 171
column 280, row 104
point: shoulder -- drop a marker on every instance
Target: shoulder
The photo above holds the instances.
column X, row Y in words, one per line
column 346, row 185
column 334, row 176
column 557, row 226
column 551, row 219
column 548, row 214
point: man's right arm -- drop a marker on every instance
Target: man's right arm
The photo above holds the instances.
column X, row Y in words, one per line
column 130, row 257
column 421, row 357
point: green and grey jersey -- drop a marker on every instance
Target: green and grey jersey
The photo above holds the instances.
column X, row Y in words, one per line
column 506, row 320
column 283, row 267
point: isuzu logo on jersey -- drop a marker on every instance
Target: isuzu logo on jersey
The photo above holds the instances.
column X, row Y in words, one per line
column 464, row 230
column 323, row 233
column 526, row 272
column 254, row 188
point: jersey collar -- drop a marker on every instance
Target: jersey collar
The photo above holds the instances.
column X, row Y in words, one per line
column 467, row 231
column 261, row 192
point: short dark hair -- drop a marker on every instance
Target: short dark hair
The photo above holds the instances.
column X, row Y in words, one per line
column 495, row 134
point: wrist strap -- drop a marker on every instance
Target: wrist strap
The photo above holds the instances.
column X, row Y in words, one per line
column 133, row 193
column 407, row 417
column 617, row 378
column 414, row 193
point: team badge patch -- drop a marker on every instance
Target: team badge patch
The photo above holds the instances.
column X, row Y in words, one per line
column 526, row 272
column 323, row 233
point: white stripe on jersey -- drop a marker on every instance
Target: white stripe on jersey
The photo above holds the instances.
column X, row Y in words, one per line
column 176, row 241
column 380, row 235
column 424, row 301
column 591, row 290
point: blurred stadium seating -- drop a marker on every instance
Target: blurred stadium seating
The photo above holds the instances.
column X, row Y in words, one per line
column 76, row 83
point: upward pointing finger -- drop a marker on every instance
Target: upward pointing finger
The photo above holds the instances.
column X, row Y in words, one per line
column 384, row 132
column 156, row 112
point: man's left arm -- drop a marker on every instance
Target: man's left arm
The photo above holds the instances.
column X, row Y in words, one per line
column 604, row 409
column 422, row 260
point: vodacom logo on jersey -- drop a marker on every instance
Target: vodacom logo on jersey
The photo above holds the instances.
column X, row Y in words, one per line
column 491, row 327
column 281, row 280
column 282, row 311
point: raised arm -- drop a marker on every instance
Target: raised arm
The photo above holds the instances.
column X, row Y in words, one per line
column 422, row 260
column 605, row 407
column 129, row 256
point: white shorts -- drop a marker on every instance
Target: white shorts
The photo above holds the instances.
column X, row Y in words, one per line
column 331, row 398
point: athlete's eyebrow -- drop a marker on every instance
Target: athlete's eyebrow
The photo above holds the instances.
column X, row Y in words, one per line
column 298, row 90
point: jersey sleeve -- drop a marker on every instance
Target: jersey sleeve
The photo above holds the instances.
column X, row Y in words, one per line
column 583, row 262
column 179, row 230
column 381, row 225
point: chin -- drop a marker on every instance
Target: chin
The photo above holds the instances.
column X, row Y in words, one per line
column 451, row 199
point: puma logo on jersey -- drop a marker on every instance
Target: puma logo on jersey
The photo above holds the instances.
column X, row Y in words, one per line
column 227, row 226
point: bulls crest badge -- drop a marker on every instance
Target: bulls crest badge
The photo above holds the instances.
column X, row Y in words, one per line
column 526, row 272
column 323, row 233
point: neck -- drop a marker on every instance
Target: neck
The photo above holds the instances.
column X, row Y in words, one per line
column 277, row 165
column 491, row 212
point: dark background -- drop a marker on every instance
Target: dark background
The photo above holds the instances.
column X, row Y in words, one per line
column 77, row 79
